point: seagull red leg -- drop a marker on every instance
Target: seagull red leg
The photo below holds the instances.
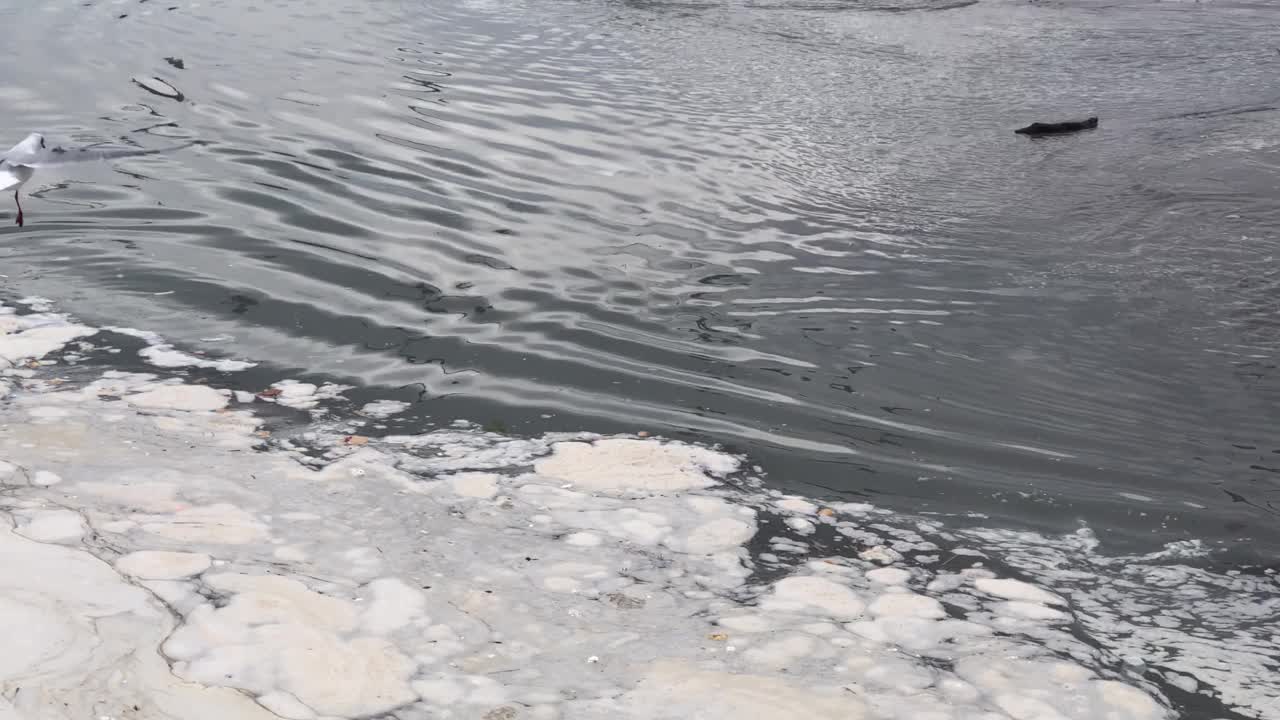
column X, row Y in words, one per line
column 19, row 202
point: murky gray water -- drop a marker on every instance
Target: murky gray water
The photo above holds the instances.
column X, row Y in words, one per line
column 805, row 230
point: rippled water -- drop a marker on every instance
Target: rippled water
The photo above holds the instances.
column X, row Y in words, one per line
column 801, row 229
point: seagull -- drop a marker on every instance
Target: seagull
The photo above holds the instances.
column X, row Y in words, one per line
column 20, row 162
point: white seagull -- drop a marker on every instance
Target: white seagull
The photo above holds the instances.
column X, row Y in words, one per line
column 20, row 162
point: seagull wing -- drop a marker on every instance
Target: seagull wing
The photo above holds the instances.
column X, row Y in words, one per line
column 38, row 157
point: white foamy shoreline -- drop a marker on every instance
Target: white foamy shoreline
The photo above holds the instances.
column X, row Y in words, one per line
column 159, row 561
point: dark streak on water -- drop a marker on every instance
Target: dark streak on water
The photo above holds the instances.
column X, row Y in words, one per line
column 805, row 230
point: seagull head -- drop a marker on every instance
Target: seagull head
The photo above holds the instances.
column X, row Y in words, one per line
column 31, row 143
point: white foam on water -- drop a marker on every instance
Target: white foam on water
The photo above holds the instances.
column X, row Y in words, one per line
column 166, row 356
column 1217, row 633
column 37, row 304
column 174, row 572
column 24, row 338
column 190, row 398
column 1016, row 590
column 163, row 355
column 304, row 396
column 382, row 409
column 635, row 464
column 889, row 576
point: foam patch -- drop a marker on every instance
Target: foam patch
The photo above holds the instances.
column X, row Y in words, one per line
column 163, row 355
column 170, row 572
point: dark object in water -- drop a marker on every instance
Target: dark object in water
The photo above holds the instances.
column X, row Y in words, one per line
column 156, row 86
column 1058, row 128
column 176, row 62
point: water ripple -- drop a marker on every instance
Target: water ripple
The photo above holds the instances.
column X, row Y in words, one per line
column 805, row 227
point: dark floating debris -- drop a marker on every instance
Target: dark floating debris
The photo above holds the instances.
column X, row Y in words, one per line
column 176, row 62
column 156, row 86
column 1058, row 128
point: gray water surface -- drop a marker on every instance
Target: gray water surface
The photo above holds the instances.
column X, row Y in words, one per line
column 803, row 229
